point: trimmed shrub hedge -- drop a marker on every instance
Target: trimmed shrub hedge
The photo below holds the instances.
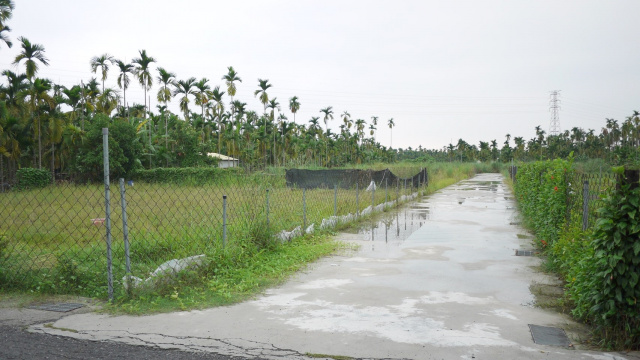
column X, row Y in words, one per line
column 187, row 176
column 30, row 178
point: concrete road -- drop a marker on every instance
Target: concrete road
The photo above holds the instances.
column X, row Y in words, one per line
column 451, row 289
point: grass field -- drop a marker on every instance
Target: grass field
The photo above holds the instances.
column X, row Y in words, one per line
column 50, row 244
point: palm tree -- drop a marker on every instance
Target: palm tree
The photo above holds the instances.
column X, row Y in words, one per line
column 218, row 109
column 107, row 101
column 374, row 121
column 328, row 115
column 273, row 105
column 165, row 78
column 101, row 62
column 143, row 73
column 6, row 10
column 30, row 53
column 184, row 87
column 231, row 77
column 16, row 85
column 202, row 94
column 294, row 106
column 74, row 96
column 39, row 98
column 264, row 97
column 391, row 125
column 123, row 78
column 4, row 36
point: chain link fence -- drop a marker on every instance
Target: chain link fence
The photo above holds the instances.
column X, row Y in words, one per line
column 57, row 239
column 585, row 195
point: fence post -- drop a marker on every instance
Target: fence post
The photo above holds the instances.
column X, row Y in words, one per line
column 373, row 197
column 125, row 226
column 304, row 208
column 357, row 200
column 107, row 208
column 397, row 191
column 335, row 200
column 267, row 207
column 404, row 191
column 585, row 205
column 224, row 221
column 386, row 190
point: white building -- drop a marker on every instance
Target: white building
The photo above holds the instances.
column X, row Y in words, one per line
column 224, row 161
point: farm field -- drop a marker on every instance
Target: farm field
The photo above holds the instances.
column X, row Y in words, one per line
column 53, row 239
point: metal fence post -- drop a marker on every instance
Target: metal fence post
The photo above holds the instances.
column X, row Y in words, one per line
column 125, row 226
column 335, row 200
column 267, row 207
column 373, row 197
column 357, row 200
column 386, row 190
column 224, row 221
column 304, row 208
column 585, row 205
column 107, row 208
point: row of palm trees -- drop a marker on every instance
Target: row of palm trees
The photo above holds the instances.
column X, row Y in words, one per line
column 42, row 122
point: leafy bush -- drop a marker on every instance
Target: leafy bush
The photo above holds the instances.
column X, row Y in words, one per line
column 30, row 178
column 541, row 191
column 186, row 176
column 125, row 150
column 615, row 281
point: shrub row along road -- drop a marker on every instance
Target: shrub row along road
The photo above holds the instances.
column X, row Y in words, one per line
column 453, row 289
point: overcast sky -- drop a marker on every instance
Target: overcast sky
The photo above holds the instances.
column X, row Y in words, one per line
column 443, row 70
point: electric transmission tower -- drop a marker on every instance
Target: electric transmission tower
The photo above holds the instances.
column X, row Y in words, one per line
column 554, row 107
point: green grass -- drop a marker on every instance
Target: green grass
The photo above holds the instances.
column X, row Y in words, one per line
column 49, row 245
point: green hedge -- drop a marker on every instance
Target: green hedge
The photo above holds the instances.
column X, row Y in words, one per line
column 30, row 178
column 541, row 191
column 187, row 176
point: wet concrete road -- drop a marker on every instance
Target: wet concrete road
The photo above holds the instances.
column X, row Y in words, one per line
column 437, row 280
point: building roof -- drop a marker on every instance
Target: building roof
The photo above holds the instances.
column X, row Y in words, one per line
column 221, row 157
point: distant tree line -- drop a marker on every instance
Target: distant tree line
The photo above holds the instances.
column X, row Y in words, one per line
column 617, row 143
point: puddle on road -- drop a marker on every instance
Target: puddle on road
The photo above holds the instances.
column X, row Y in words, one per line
column 396, row 225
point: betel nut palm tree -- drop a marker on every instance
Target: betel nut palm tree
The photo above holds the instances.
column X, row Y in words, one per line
column 294, row 106
column 230, row 78
column 31, row 54
column 165, row 78
column 143, row 72
column 6, row 11
column 262, row 91
column 391, row 125
column 328, row 115
column 123, row 78
column 103, row 61
column 186, row 88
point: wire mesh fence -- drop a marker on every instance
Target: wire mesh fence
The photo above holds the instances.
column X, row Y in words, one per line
column 53, row 239
column 585, row 195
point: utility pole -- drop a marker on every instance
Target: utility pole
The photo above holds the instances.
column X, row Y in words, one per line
column 554, row 108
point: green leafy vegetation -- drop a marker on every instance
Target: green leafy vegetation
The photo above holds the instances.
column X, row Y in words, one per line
column 600, row 264
column 541, row 191
column 29, row 178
